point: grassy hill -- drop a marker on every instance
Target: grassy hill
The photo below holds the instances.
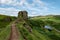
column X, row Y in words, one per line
column 52, row 21
column 31, row 29
column 5, row 22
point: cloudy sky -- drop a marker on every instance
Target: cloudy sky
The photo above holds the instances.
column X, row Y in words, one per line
column 33, row 7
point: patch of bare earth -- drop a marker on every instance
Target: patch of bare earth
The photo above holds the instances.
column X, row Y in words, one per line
column 14, row 32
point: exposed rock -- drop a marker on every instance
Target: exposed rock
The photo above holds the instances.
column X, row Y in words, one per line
column 23, row 14
column 48, row 27
column 28, row 27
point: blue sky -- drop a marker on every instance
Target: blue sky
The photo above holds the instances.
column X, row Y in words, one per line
column 33, row 7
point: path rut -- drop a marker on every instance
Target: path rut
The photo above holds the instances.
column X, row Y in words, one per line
column 14, row 32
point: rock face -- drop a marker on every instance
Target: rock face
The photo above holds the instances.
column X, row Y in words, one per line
column 23, row 14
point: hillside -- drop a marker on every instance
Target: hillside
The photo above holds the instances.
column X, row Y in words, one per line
column 50, row 21
column 29, row 28
column 4, row 26
column 5, row 20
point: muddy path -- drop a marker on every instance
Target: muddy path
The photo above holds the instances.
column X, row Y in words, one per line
column 14, row 32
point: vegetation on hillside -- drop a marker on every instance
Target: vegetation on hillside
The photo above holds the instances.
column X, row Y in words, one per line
column 5, row 28
column 31, row 29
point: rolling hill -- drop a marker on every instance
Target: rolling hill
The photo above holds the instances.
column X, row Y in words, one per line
column 32, row 28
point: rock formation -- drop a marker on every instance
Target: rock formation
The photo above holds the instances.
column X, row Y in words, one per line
column 23, row 14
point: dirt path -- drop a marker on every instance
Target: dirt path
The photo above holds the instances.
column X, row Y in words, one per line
column 14, row 32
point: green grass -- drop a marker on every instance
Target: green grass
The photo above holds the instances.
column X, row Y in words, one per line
column 4, row 21
column 39, row 22
column 37, row 25
column 5, row 27
column 5, row 33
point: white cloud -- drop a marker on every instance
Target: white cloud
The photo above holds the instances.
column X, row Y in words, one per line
column 9, row 11
column 23, row 5
column 12, row 2
column 5, row 1
column 22, row 2
column 39, row 2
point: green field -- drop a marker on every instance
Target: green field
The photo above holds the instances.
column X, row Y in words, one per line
column 35, row 30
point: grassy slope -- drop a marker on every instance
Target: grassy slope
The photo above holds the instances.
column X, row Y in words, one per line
column 5, row 21
column 38, row 32
column 53, row 21
column 36, row 24
column 4, row 26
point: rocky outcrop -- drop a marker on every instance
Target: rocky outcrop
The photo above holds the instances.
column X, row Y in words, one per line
column 23, row 14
